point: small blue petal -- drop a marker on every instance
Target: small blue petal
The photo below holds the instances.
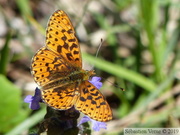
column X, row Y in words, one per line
column 28, row 99
column 96, row 82
column 95, row 78
column 84, row 120
column 96, row 125
column 34, row 100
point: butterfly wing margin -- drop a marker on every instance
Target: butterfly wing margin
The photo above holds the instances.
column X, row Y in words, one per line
column 92, row 103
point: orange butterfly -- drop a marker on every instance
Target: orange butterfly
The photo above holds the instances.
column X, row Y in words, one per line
column 57, row 69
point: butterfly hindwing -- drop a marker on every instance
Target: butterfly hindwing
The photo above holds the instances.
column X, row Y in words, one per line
column 92, row 103
column 60, row 97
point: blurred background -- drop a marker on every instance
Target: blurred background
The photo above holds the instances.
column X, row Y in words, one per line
column 140, row 52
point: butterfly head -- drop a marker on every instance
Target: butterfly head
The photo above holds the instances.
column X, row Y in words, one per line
column 88, row 74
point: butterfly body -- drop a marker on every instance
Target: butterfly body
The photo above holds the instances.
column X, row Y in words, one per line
column 57, row 69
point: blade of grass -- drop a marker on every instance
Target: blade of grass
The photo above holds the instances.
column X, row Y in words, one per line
column 121, row 72
column 4, row 54
column 25, row 8
column 36, row 24
column 149, row 10
column 172, row 44
column 163, row 86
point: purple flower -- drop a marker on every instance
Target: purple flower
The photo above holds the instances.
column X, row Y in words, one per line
column 96, row 125
column 34, row 100
column 96, row 82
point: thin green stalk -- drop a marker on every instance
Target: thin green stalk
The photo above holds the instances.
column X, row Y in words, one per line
column 162, row 87
column 24, row 7
column 149, row 11
column 4, row 55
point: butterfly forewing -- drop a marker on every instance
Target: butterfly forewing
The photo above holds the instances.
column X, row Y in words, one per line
column 60, row 38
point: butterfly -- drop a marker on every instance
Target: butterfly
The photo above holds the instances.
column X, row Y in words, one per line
column 57, row 69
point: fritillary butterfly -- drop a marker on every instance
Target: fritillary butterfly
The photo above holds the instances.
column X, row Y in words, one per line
column 57, row 69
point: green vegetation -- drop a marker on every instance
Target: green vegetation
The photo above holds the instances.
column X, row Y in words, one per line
column 140, row 52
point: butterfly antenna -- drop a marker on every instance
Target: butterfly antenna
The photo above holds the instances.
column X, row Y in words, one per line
column 102, row 77
column 99, row 47
column 97, row 52
column 117, row 86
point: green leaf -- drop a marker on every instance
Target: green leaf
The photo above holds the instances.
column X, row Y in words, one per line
column 10, row 101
